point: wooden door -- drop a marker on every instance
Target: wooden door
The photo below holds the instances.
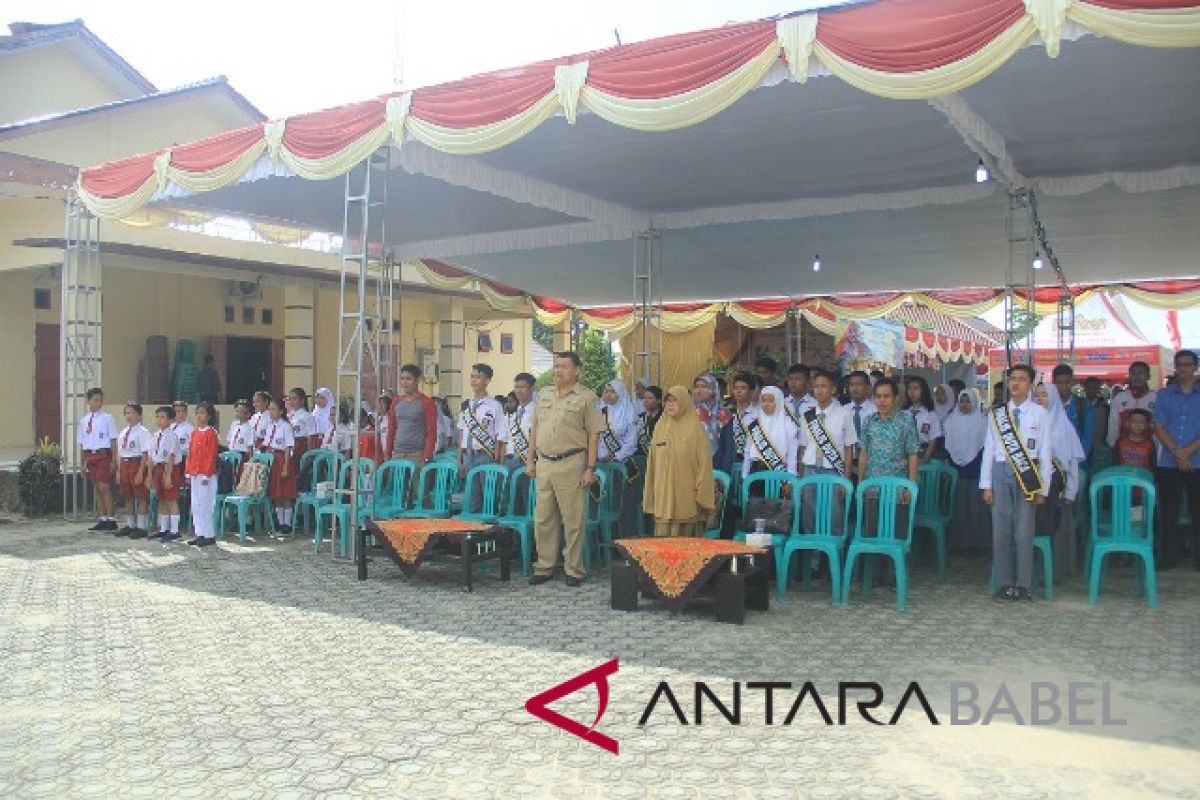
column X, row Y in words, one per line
column 46, row 384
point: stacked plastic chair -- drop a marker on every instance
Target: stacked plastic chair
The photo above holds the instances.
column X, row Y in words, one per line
column 183, row 377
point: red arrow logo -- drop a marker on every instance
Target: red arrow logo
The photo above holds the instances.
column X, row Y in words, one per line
column 538, row 705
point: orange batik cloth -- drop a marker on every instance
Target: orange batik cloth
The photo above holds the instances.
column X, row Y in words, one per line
column 678, row 567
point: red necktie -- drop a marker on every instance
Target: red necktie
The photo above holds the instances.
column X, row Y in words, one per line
column 158, row 444
column 91, row 417
column 125, row 441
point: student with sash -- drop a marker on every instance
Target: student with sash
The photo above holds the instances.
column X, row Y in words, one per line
column 479, row 424
column 514, row 433
column 1056, row 517
column 919, row 403
column 706, row 394
column 731, row 451
column 772, row 439
column 1015, row 478
column 965, row 430
column 860, row 407
column 652, row 409
column 799, row 398
column 888, row 448
column 679, row 490
column 618, row 443
column 826, row 445
column 413, row 423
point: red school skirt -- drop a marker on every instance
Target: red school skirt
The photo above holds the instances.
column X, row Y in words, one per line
column 161, row 489
column 128, row 474
column 278, row 486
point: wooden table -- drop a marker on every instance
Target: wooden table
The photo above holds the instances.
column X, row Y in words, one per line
column 410, row 541
column 676, row 570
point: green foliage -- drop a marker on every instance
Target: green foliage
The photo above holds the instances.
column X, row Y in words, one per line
column 544, row 380
column 544, row 335
column 40, row 479
column 599, row 365
column 1022, row 322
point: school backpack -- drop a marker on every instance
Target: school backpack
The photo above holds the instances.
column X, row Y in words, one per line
column 254, row 479
column 225, row 476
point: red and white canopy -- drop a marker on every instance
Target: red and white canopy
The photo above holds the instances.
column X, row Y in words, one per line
column 851, row 132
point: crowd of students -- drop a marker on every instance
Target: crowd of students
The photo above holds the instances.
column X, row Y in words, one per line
column 858, row 426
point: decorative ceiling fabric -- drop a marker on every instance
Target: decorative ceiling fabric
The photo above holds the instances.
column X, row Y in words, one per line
column 911, row 49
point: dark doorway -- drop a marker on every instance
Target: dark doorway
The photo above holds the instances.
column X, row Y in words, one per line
column 248, row 368
column 46, row 386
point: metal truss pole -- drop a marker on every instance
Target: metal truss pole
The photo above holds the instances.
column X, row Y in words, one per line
column 1019, row 278
column 647, row 299
column 359, row 321
column 79, row 344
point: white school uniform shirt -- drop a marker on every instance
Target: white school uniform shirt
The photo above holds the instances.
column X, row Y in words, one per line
column 96, row 431
column 524, row 415
column 1118, row 412
column 1034, row 428
column 240, row 438
column 259, row 421
column 840, row 424
column 133, row 441
column 929, row 425
column 490, row 415
column 304, row 424
column 164, row 447
column 279, row 435
column 748, row 415
column 865, row 409
column 382, row 426
column 184, row 431
column 801, row 405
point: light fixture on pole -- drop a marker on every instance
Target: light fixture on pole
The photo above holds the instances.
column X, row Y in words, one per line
column 1037, row 260
column 981, row 172
column 817, row 263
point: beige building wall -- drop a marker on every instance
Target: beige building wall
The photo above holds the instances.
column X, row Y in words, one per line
column 28, row 73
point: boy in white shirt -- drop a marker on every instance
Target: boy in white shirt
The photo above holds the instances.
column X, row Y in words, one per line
column 827, row 440
column 166, row 473
column 96, row 436
column 860, row 406
column 260, row 418
column 182, row 428
column 240, row 438
column 479, row 425
column 1015, row 478
column 133, row 446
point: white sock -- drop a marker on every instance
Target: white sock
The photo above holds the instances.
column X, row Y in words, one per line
column 287, row 516
column 174, row 522
column 142, row 521
column 129, row 521
column 279, row 515
column 163, row 522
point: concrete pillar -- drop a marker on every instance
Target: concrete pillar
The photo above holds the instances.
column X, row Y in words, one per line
column 562, row 336
column 298, row 302
column 451, row 355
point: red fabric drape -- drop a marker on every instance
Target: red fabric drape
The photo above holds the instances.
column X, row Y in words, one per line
column 500, row 288
column 962, row 297
column 444, row 269
column 863, row 300
column 550, row 306
column 1166, row 287
column 485, row 99
column 119, row 178
column 914, row 35
column 324, row 133
column 766, row 308
column 608, row 313
column 208, row 154
column 676, row 64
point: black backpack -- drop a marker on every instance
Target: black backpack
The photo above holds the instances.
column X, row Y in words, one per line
column 225, row 476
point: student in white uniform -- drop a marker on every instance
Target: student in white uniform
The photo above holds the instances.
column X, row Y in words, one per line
column 826, row 446
column 772, row 439
column 920, row 406
column 860, row 406
column 514, row 432
column 618, row 444
column 478, row 425
column 166, row 473
column 1014, row 496
column 133, row 448
column 799, row 398
column 96, row 436
column 240, row 438
column 260, row 418
column 183, row 428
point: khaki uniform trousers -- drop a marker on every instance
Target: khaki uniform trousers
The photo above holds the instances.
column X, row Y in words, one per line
column 560, row 501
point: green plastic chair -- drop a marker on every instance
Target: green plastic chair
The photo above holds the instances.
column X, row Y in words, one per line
column 393, row 484
column 521, row 523
column 773, row 482
column 884, row 542
column 245, row 505
column 617, row 485
column 488, row 482
column 822, row 539
column 1043, row 546
column 229, row 457
column 594, row 526
column 435, row 483
column 938, row 484
column 1113, row 530
column 324, row 466
column 338, row 510
column 721, row 477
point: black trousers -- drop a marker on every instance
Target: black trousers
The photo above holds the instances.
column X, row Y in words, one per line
column 1172, row 483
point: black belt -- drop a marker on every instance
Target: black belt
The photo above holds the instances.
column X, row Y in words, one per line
column 561, row 456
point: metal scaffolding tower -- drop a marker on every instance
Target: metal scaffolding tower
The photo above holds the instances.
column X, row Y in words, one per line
column 80, row 343
column 362, row 328
column 646, row 364
column 1028, row 242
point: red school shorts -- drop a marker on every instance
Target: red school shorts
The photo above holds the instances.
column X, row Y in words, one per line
column 129, row 471
column 280, row 487
column 160, row 473
column 99, row 466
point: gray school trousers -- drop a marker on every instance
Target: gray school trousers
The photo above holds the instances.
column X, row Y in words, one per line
column 1012, row 529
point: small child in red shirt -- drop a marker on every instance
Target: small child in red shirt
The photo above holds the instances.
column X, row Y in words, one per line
column 1136, row 448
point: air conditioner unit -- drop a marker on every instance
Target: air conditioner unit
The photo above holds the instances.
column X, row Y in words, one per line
column 245, row 290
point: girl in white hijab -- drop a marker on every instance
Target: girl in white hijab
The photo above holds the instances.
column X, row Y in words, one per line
column 944, row 406
column 965, row 429
column 780, row 431
column 1057, row 516
column 323, row 412
column 621, row 417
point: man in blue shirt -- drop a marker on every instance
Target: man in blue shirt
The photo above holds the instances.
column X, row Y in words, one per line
column 1177, row 426
column 1078, row 409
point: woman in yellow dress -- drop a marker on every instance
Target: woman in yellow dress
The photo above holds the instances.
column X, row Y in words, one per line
column 679, row 490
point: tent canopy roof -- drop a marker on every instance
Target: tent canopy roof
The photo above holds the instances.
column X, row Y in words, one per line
column 1107, row 133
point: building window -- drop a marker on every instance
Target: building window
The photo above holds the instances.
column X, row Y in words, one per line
column 230, row 315
column 484, row 343
column 247, row 315
column 506, row 343
column 268, row 317
column 41, row 299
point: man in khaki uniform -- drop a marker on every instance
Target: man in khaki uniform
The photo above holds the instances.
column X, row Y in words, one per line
column 562, row 458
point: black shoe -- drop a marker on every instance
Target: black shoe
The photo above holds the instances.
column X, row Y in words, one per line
column 137, row 533
column 1021, row 593
column 156, row 536
column 538, row 580
column 572, row 581
column 1002, row 593
column 285, row 529
column 110, row 525
column 206, row 542
column 123, row 531
column 194, row 541
column 101, row 525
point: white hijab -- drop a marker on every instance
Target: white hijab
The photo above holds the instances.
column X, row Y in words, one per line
column 965, row 433
column 622, row 413
column 778, row 426
column 945, row 409
column 1064, row 439
column 325, row 417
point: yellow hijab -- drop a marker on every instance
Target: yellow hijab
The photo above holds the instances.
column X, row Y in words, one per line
column 679, row 481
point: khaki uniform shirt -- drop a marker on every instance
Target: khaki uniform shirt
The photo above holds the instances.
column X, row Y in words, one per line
column 565, row 422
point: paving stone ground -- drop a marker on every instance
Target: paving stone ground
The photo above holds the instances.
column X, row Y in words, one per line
column 130, row 669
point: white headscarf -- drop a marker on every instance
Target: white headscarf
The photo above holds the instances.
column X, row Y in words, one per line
column 944, row 410
column 325, row 417
column 622, row 413
column 965, row 432
column 1064, row 439
column 778, row 426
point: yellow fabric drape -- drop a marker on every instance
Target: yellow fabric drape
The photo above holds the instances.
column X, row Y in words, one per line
column 550, row 318
column 510, row 304
column 439, row 281
column 1169, row 302
column 1157, row 28
column 280, row 234
column 684, row 355
column 218, row 177
column 754, row 321
column 484, row 139
column 339, row 163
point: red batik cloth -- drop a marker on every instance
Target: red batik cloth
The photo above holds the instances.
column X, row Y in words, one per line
column 410, row 540
column 679, row 566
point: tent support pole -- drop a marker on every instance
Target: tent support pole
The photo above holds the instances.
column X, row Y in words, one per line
column 647, row 299
column 80, row 346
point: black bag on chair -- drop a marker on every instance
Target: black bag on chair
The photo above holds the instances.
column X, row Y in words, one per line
column 777, row 513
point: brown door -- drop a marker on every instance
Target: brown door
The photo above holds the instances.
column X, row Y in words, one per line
column 46, row 377
column 276, row 376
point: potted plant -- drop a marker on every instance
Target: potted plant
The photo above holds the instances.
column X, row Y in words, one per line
column 40, row 479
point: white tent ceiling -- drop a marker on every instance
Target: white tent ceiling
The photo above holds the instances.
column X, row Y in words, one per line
column 882, row 189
